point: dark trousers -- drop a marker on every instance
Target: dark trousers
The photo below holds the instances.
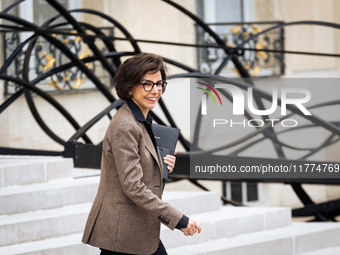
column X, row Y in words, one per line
column 160, row 251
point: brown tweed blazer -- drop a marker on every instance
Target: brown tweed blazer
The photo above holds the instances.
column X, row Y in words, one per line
column 127, row 211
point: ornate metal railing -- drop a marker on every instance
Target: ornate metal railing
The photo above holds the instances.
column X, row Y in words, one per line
column 257, row 63
column 47, row 56
column 110, row 59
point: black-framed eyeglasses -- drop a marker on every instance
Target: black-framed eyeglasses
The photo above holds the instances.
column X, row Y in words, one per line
column 148, row 85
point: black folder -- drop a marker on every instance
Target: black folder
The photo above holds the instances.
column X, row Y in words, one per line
column 166, row 139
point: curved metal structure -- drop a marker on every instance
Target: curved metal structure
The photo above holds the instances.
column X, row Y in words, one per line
column 110, row 59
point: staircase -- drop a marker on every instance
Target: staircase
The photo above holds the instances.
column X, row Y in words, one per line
column 45, row 202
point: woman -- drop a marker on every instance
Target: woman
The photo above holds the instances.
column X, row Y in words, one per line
column 126, row 214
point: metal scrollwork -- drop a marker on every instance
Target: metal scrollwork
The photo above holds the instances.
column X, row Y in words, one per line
column 11, row 40
column 47, row 57
column 258, row 63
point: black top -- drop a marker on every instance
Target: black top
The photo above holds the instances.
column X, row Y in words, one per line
column 183, row 223
column 147, row 122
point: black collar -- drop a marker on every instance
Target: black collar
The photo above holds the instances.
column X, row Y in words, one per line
column 137, row 112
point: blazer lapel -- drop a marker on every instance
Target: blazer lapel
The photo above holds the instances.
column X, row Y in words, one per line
column 148, row 142
column 151, row 149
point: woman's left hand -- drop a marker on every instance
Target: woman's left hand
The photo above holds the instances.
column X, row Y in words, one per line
column 170, row 161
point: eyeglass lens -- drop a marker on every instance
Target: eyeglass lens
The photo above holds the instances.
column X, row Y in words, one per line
column 148, row 85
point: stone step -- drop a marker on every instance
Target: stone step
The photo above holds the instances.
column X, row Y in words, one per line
column 48, row 195
column 17, row 170
column 193, row 202
column 228, row 222
column 298, row 238
column 65, row 245
column 31, row 226
column 329, row 251
column 70, row 191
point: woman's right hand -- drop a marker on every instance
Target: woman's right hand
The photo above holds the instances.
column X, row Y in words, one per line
column 190, row 230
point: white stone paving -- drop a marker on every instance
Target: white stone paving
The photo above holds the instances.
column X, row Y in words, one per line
column 47, row 195
column 328, row 251
column 47, row 203
column 17, row 170
column 290, row 240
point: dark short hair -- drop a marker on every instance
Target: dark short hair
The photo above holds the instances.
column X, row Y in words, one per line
column 131, row 72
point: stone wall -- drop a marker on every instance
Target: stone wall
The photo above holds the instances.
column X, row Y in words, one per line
column 305, row 37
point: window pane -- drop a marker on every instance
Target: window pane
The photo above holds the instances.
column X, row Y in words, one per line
column 236, row 191
column 252, row 192
column 43, row 11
